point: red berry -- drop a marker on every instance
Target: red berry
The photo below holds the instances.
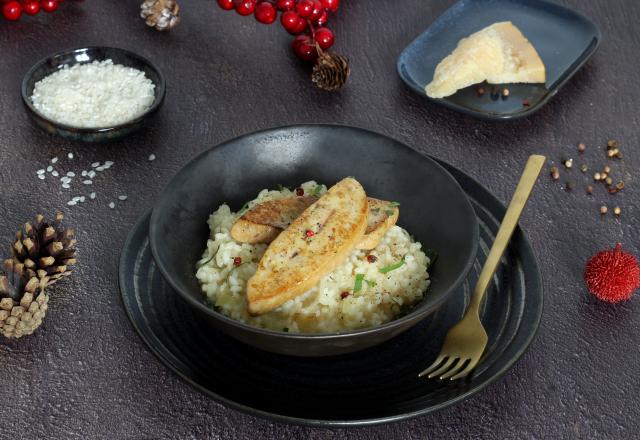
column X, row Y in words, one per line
column 299, row 192
column 12, row 10
column 245, row 7
column 304, row 8
column 343, row 295
column 324, row 37
column 49, row 5
column 31, row 8
column 322, row 20
column 286, row 5
column 292, row 22
column 316, row 11
column 227, row 5
column 612, row 275
column 310, row 233
column 331, row 5
column 266, row 13
column 372, row 258
column 237, row 261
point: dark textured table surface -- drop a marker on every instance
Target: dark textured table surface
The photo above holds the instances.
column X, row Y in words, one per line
column 86, row 374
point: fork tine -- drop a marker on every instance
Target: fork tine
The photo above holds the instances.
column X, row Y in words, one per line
column 444, row 367
column 459, row 367
column 467, row 370
column 433, row 366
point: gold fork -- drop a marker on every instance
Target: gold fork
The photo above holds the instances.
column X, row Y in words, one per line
column 465, row 342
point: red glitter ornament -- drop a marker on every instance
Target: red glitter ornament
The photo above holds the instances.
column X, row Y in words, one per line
column 612, row 275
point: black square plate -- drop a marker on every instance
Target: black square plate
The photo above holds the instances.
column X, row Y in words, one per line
column 564, row 39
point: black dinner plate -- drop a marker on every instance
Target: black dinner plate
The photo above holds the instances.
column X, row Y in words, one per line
column 376, row 385
column 564, row 39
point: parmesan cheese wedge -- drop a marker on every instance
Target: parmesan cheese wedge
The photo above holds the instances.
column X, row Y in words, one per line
column 498, row 54
column 315, row 243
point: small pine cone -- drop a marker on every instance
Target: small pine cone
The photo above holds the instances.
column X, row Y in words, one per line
column 160, row 14
column 44, row 250
column 331, row 71
column 23, row 303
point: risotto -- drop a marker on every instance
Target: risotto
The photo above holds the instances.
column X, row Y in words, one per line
column 368, row 289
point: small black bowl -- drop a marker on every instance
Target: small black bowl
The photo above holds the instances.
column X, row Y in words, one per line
column 433, row 208
column 86, row 55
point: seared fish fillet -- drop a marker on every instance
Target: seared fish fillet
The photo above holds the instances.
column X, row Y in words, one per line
column 313, row 245
column 382, row 215
column 265, row 221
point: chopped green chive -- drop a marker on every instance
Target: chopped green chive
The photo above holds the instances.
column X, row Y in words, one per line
column 389, row 212
column 244, row 208
column 281, row 188
column 394, row 204
column 358, row 285
column 318, row 190
column 370, row 283
column 391, row 267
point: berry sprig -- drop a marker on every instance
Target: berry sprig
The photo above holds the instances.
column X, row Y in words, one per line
column 12, row 9
column 306, row 19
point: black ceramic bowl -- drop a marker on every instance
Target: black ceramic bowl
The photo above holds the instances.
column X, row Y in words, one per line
column 85, row 55
column 433, row 208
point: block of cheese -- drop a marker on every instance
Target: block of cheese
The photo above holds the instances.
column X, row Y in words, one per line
column 498, row 54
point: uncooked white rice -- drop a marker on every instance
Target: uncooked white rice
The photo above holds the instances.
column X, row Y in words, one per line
column 322, row 309
column 94, row 95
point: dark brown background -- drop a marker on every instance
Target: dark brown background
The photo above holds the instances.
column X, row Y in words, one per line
column 86, row 374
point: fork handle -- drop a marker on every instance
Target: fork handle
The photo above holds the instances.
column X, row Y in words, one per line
column 508, row 225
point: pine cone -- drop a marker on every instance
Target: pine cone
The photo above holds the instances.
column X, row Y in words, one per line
column 331, row 71
column 23, row 302
column 44, row 250
column 160, row 14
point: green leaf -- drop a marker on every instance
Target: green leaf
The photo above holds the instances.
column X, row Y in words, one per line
column 392, row 267
column 358, row 285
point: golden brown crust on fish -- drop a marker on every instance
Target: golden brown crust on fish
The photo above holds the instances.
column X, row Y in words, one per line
column 263, row 222
column 315, row 243
column 245, row 231
column 382, row 215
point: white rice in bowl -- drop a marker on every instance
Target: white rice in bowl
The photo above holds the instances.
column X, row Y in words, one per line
column 354, row 296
